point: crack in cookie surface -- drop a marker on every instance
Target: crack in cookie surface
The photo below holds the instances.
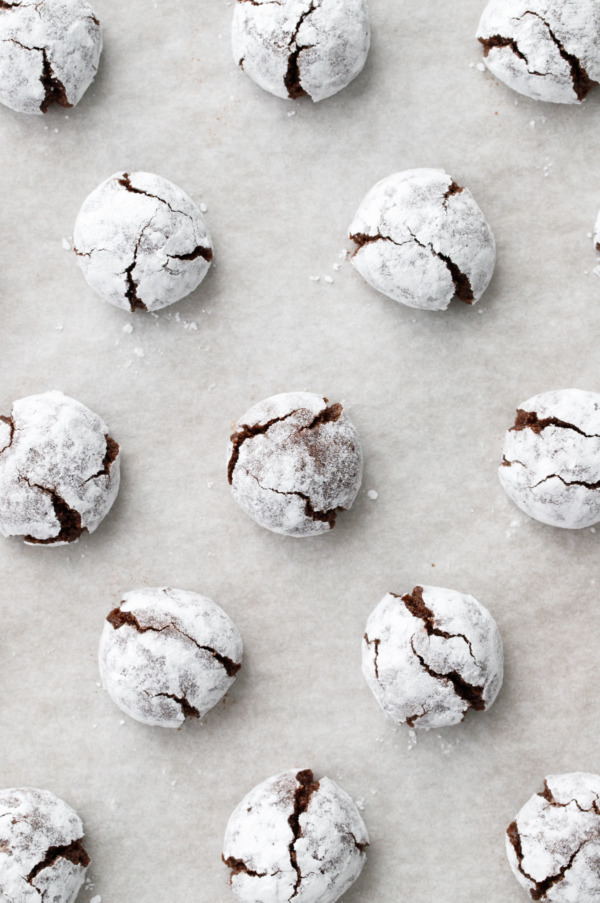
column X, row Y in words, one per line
column 291, row 78
column 238, row 866
column 111, row 455
column 328, row 516
column 187, row 710
column 245, row 432
column 119, row 618
column 303, row 793
column 376, row 643
column 530, row 420
column 73, row 852
column 416, row 606
column 11, row 423
column 582, row 83
column 472, row 695
column 125, row 181
column 68, row 518
column 462, row 284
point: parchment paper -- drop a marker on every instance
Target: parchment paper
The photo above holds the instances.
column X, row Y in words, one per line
column 431, row 395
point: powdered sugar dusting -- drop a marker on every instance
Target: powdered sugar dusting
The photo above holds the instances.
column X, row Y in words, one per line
column 167, row 654
column 547, row 49
column 59, row 472
column 422, row 240
column 295, row 47
column 49, row 52
column 554, row 843
column 551, row 463
column 141, row 242
column 431, row 655
column 33, row 823
column 295, row 837
column 294, row 461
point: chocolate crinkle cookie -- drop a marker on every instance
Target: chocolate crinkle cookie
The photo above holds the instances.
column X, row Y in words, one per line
column 295, row 461
column 297, row 47
column 294, row 837
column 141, row 242
column 546, row 49
column 422, row 240
column 431, row 655
column 167, row 655
column 553, row 846
column 49, row 53
column 42, row 857
column 551, row 463
column 59, row 470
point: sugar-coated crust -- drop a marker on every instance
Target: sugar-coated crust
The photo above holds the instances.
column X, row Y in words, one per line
column 167, row 654
column 551, row 464
column 294, row 837
column 41, row 850
column 546, row 49
column 553, row 846
column 49, row 52
column 295, row 460
column 423, row 240
column 295, row 47
column 141, row 242
column 59, row 469
column 430, row 655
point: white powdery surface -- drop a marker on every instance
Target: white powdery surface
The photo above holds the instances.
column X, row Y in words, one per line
column 141, row 242
column 422, row 240
column 597, row 240
column 553, row 846
column 41, row 853
column 295, row 47
column 294, row 837
column 551, row 465
column 49, row 52
column 431, row 655
column 167, row 654
column 294, row 461
column 546, row 49
column 59, row 469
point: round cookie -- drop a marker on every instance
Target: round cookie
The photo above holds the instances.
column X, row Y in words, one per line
column 432, row 655
column 41, row 848
column 546, row 49
column 141, row 242
column 422, row 240
column 49, row 53
column 297, row 47
column 59, row 470
column 551, row 463
column 295, row 461
column 553, row 846
column 294, row 837
column 167, row 655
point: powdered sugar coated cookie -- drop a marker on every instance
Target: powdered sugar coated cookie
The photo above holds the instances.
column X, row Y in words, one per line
column 59, row 470
column 553, row 846
column 49, row 53
column 422, row 240
column 141, row 242
column 167, row 654
column 41, row 848
column 551, row 463
column 295, row 461
column 294, row 837
column 431, row 655
column 546, row 49
column 296, row 47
